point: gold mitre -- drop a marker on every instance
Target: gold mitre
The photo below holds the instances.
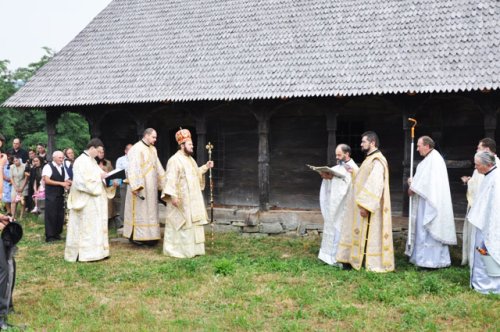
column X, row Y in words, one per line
column 182, row 136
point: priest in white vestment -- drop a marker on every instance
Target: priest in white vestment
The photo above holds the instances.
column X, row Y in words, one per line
column 473, row 183
column 87, row 234
column 366, row 234
column 186, row 212
column 145, row 178
column 334, row 194
column 432, row 220
column 484, row 216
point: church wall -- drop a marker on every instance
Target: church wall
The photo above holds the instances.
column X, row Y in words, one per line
column 298, row 136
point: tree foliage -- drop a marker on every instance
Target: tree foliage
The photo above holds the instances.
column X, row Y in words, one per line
column 30, row 125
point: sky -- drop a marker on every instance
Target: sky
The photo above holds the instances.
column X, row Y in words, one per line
column 28, row 25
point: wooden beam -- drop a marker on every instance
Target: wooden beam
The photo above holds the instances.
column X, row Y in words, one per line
column 331, row 127
column 263, row 118
column 490, row 124
column 201, row 142
column 52, row 117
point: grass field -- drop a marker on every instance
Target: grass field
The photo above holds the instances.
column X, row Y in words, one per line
column 267, row 284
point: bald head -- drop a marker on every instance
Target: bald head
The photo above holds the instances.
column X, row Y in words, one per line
column 343, row 152
column 149, row 136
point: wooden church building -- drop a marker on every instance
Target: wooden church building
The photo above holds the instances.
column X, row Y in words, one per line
column 275, row 85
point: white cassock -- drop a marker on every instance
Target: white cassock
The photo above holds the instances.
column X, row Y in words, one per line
column 333, row 196
column 472, row 189
column 484, row 216
column 87, row 235
column 433, row 224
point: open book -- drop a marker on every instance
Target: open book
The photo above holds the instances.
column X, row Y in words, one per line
column 338, row 172
column 116, row 174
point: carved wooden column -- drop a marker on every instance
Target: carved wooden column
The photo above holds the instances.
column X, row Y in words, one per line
column 141, row 126
column 263, row 118
column 94, row 120
column 51, row 116
column 331, row 127
column 490, row 124
column 406, row 160
column 408, row 104
column 201, row 132
column 489, row 105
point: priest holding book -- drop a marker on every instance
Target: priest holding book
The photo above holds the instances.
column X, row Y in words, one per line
column 335, row 192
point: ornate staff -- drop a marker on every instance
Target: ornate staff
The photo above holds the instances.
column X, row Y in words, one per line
column 210, row 147
column 411, row 177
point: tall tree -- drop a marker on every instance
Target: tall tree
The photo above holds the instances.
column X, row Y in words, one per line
column 72, row 129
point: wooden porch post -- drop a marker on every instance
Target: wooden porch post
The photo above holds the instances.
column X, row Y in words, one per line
column 409, row 105
column 490, row 124
column 51, row 117
column 331, row 127
column 406, row 160
column 263, row 118
column 201, row 132
column 489, row 106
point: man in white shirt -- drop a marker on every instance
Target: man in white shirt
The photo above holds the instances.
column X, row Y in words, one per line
column 56, row 182
column 122, row 163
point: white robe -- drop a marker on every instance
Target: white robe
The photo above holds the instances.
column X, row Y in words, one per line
column 472, row 189
column 333, row 197
column 145, row 175
column 485, row 217
column 87, row 235
column 184, row 230
column 433, row 223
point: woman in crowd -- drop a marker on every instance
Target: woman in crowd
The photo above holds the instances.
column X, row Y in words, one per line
column 6, row 199
column 29, row 200
column 38, row 187
column 19, row 182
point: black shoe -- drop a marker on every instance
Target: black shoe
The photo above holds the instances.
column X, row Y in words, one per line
column 346, row 266
column 137, row 243
column 149, row 243
column 51, row 239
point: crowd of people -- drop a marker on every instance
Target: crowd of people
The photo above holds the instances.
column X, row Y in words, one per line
column 356, row 208
column 22, row 178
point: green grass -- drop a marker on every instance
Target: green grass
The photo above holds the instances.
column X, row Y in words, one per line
column 242, row 284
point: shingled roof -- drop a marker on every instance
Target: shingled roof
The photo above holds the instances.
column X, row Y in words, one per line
column 180, row 50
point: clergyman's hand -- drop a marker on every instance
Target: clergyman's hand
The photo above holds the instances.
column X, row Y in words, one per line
column 210, row 164
column 363, row 212
column 175, row 201
column 326, row 176
column 465, row 180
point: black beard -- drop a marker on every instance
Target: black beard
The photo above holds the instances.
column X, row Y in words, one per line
column 365, row 151
column 187, row 152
